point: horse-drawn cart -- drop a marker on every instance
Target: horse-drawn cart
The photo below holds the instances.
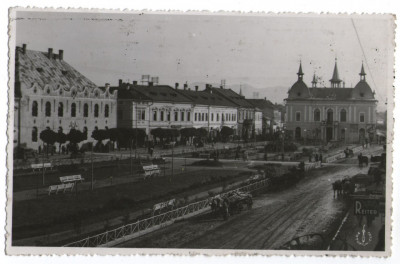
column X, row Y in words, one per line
column 231, row 203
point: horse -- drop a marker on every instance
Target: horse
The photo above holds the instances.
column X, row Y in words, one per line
column 361, row 160
column 337, row 188
column 348, row 187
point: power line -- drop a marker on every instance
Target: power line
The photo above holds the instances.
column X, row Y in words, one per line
column 365, row 57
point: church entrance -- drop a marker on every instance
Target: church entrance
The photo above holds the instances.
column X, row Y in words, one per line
column 329, row 134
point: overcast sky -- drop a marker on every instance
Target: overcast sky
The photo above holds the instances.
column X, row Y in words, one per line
column 261, row 51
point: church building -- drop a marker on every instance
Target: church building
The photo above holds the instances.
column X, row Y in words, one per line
column 337, row 113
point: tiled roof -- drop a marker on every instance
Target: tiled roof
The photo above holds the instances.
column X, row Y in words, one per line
column 261, row 103
column 207, row 98
column 159, row 93
column 233, row 97
column 332, row 93
column 35, row 67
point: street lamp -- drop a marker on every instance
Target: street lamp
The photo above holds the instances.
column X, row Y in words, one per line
column 283, row 143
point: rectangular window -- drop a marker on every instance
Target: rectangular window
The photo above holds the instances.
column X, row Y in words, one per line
column 162, row 115
column 195, row 116
column 188, row 116
column 298, row 116
column 176, row 116
column 182, row 116
column 206, row 116
column 141, row 114
column 202, row 116
column 212, row 117
column 154, row 115
column 362, row 118
column 168, row 116
column 217, row 117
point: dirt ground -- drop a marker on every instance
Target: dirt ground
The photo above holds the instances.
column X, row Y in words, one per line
column 276, row 218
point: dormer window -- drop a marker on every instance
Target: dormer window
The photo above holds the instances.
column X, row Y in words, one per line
column 362, row 94
column 298, row 94
column 39, row 69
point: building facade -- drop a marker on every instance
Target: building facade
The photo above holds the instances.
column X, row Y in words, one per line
column 331, row 114
column 153, row 106
column 51, row 94
column 211, row 111
column 245, row 111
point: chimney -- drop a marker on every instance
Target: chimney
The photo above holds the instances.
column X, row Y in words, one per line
column 107, row 85
column 222, row 87
column 196, row 88
column 60, row 54
column 23, row 48
column 134, row 83
column 344, row 85
column 265, row 98
column 176, row 86
column 185, row 86
column 120, row 83
column 50, row 53
column 150, row 83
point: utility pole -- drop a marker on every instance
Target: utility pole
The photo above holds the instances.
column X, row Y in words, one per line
column 43, row 167
column 91, row 162
column 172, row 163
column 130, row 156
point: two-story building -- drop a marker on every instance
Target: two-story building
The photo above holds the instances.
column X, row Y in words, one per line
column 246, row 122
column 211, row 111
column 50, row 94
column 331, row 114
column 152, row 106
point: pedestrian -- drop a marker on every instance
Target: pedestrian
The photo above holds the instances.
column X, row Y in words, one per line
column 320, row 157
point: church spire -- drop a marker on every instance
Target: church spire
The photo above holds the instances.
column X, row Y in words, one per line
column 362, row 73
column 314, row 81
column 300, row 72
column 240, row 92
column 335, row 81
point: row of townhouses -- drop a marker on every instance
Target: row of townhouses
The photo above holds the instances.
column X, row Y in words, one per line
column 51, row 94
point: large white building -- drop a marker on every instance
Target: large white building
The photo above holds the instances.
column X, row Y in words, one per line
column 51, row 94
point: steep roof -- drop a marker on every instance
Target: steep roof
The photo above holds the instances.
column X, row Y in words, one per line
column 232, row 96
column 335, row 76
column 35, row 67
column 207, row 98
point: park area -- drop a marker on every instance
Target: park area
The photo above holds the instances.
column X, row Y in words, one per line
column 49, row 214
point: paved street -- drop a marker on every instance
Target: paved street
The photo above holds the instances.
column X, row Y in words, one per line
column 275, row 219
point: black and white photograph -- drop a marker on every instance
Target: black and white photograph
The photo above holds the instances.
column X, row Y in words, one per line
column 187, row 132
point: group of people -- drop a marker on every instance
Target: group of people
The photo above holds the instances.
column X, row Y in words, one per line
column 317, row 157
